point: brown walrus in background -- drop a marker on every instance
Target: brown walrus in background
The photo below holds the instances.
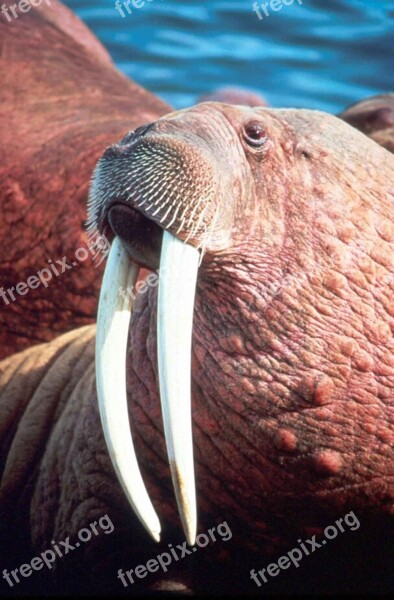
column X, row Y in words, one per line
column 62, row 102
column 292, row 363
column 375, row 117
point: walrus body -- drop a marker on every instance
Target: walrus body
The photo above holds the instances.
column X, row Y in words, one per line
column 62, row 102
column 292, row 362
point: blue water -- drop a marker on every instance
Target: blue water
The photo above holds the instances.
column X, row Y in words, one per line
column 321, row 54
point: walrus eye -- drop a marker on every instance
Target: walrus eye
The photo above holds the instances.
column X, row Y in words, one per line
column 255, row 135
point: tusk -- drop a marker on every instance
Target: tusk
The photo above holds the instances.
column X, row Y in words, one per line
column 111, row 343
column 177, row 285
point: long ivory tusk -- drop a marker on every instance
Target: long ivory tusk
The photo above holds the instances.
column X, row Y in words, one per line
column 177, row 285
column 111, row 344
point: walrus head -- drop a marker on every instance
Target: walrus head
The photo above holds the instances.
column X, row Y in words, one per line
column 238, row 199
column 167, row 180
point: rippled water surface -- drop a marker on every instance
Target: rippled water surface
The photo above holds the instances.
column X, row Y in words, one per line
column 320, row 54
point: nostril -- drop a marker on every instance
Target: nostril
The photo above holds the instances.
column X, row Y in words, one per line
column 111, row 152
column 118, row 149
column 142, row 130
column 132, row 136
column 128, row 138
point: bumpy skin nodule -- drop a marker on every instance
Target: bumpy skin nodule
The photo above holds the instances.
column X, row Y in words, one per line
column 293, row 362
column 62, row 102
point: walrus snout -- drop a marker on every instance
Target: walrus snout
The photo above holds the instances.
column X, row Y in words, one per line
column 174, row 172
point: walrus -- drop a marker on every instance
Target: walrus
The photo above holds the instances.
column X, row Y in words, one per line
column 374, row 116
column 263, row 356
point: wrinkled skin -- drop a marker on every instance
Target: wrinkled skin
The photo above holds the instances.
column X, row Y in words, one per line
column 375, row 117
column 61, row 103
column 292, row 390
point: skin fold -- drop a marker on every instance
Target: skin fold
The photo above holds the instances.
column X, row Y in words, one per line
column 62, row 102
column 292, row 361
